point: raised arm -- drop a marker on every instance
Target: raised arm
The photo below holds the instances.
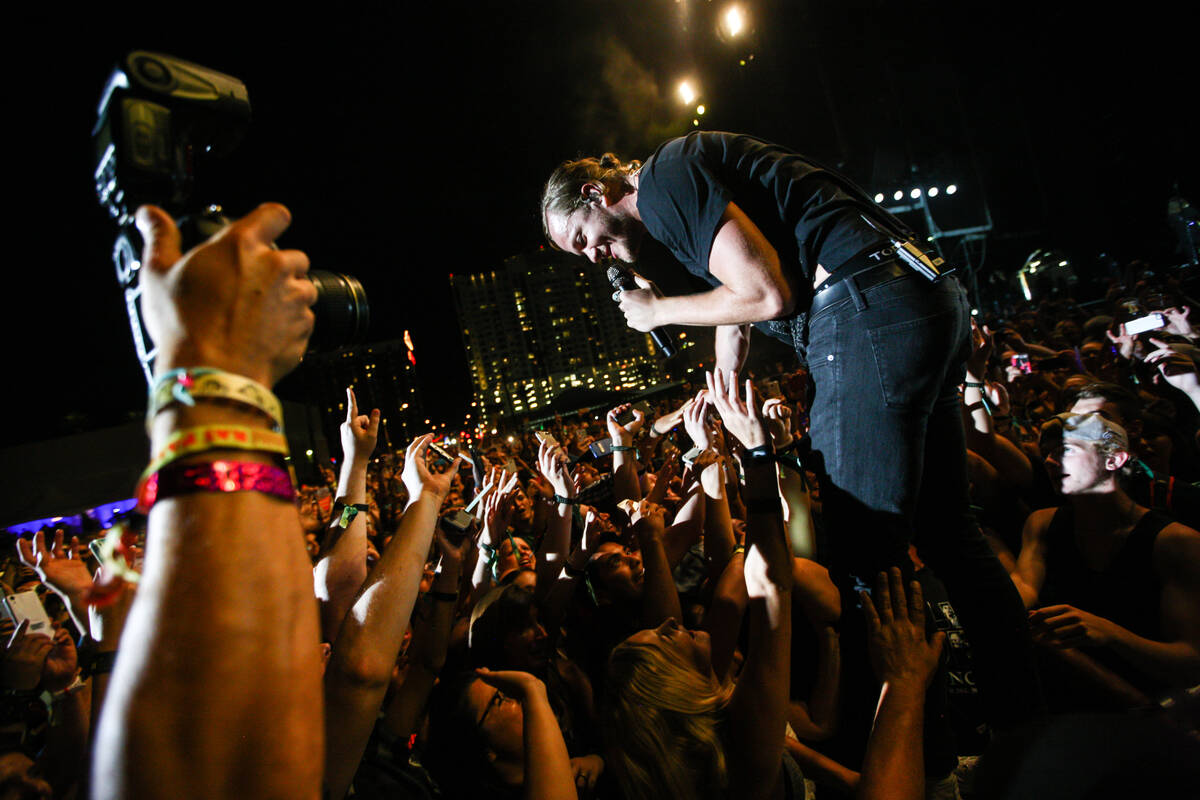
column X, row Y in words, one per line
column 625, row 477
column 556, row 544
column 369, row 641
column 430, row 639
column 660, row 598
column 217, row 624
column 343, row 565
column 758, row 709
column 904, row 662
column 548, row 774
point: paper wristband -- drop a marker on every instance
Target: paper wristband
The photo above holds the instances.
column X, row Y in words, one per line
column 218, row 476
column 190, row 441
column 205, row 383
column 349, row 512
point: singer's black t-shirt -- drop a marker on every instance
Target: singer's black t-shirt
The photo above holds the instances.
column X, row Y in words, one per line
column 809, row 214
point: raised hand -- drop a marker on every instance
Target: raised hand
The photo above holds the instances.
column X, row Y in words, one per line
column 234, row 302
column 453, row 555
column 695, row 420
column 24, row 658
column 1126, row 344
column 358, row 433
column 61, row 569
column 418, row 480
column 997, row 395
column 1175, row 367
column 516, row 684
column 896, row 641
column 554, row 466
column 1177, row 321
column 981, row 351
column 498, row 511
column 623, row 434
column 740, row 414
column 778, row 416
column 62, row 662
column 649, row 520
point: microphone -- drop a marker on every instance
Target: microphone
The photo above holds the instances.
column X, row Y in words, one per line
column 664, row 340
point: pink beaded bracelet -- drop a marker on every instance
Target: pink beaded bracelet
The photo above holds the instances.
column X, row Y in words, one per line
column 216, row 476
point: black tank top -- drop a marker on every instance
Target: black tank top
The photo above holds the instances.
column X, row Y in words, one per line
column 1126, row 591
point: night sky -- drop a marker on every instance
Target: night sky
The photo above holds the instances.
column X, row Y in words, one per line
column 411, row 141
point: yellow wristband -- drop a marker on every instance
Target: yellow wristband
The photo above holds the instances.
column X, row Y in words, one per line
column 205, row 383
column 189, row 441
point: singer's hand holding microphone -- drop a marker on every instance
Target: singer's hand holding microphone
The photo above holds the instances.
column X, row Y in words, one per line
column 638, row 304
column 637, row 298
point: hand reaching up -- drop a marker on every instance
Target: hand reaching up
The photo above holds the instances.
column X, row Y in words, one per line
column 896, row 642
column 740, row 414
column 359, row 432
column 778, row 416
column 418, row 480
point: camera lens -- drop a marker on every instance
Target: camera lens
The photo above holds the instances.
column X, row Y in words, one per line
column 342, row 311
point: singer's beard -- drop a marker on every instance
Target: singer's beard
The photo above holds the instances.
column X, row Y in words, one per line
column 626, row 239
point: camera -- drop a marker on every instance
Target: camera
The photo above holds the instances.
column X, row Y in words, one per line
column 158, row 118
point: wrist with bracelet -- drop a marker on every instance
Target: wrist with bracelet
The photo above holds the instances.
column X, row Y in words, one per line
column 189, row 384
column 346, row 513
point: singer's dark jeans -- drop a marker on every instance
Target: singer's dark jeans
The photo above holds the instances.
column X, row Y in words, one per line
column 886, row 418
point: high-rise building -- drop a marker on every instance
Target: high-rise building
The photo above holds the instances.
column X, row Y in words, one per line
column 383, row 375
column 541, row 323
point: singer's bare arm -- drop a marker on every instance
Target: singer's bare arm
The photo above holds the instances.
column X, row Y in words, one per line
column 754, row 287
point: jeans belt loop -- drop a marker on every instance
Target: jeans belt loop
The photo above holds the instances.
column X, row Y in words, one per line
column 860, row 302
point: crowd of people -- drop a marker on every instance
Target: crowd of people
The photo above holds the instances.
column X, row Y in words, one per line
column 645, row 602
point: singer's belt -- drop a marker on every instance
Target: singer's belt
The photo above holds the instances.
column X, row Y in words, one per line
column 837, row 286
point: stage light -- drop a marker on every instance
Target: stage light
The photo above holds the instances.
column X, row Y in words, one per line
column 914, row 194
column 951, row 189
column 933, row 191
column 687, row 93
column 879, row 197
column 700, row 110
column 695, row 123
column 1062, row 263
column 899, row 195
column 733, row 21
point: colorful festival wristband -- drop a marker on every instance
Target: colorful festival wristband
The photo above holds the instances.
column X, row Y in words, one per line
column 186, row 386
column 348, row 512
column 218, row 476
column 190, row 441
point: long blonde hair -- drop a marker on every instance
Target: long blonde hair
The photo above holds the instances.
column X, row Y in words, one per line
column 662, row 723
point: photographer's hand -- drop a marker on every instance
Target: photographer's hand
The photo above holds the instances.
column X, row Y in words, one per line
column 233, row 302
column 236, row 304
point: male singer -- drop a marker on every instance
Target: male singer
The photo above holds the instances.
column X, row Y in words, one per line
column 801, row 251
